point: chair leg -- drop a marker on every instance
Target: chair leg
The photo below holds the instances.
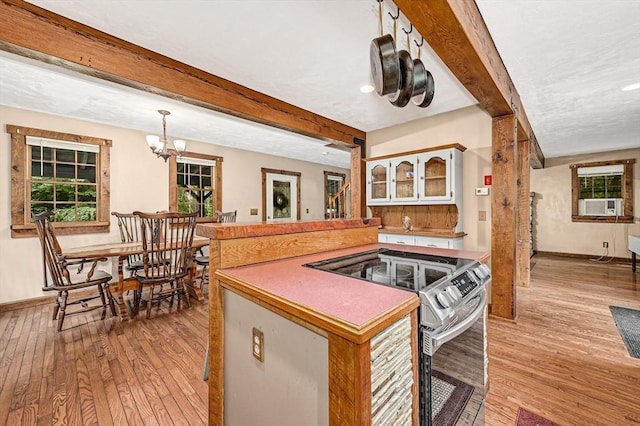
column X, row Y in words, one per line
column 104, row 301
column 63, row 307
column 56, row 307
column 185, row 293
column 205, row 372
column 150, row 301
column 112, row 304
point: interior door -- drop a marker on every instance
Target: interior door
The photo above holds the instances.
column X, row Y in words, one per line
column 282, row 197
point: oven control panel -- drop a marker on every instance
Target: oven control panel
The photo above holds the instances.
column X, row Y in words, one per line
column 439, row 304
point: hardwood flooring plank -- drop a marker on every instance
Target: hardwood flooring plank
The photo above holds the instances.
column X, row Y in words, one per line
column 116, row 408
column 12, row 361
column 124, row 393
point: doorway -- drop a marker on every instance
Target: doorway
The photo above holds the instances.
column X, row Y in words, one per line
column 280, row 195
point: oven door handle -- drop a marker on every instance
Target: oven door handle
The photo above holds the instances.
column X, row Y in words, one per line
column 463, row 325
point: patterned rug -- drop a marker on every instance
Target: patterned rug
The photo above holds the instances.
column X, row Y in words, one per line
column 449, row 396
column 527, row 418
column 628, row 323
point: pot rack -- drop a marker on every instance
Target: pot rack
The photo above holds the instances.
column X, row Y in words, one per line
column 406, row 32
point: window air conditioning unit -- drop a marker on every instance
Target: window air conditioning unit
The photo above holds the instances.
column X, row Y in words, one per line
column 600, row 207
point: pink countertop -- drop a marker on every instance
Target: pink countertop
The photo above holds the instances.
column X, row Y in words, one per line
column 329, row 295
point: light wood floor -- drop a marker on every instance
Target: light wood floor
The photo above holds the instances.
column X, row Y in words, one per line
column 563, row 359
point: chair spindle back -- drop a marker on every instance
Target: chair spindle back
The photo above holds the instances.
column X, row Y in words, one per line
column 167, row 241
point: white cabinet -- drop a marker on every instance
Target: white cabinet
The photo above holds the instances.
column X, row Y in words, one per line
column 421, row 240
column 428, row 177
column 407, row 239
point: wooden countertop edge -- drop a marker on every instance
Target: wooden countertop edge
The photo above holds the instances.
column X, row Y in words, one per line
column 424, row 233
column 323, row 321
column 226, row 231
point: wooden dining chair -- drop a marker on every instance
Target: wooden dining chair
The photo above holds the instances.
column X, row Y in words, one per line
column 203, row 261
column 130, row 232
column 226, row 217
column 59, row 278
column 167, row 243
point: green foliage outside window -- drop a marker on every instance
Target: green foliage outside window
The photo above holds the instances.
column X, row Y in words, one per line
column 606, row 186
column 195, row 192
column 64, row 181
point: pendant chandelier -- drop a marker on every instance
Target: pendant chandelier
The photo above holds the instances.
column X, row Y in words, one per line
column 161, row 146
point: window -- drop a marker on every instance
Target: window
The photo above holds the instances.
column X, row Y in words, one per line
column 602, row 191
column 62, row 172
column 195, row 185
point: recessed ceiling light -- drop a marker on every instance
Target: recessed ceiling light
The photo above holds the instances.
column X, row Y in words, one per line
column 366, row 88
column 325, row 152
column 633, row 86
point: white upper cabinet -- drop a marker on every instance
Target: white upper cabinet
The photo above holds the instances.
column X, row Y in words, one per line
column 428, row 177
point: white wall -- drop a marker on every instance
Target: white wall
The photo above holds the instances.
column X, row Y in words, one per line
column 553, row 229
column 139, row 181
column 290, row 387
column 470, row 127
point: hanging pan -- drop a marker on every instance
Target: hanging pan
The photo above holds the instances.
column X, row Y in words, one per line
column 402, row 97
column 384, row 62
column 423, row 84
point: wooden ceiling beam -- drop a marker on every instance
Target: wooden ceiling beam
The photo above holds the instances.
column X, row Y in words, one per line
column 456, row 32
column 34, row 32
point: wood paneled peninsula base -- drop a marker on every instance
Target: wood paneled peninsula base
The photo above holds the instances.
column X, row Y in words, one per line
column 334, row 350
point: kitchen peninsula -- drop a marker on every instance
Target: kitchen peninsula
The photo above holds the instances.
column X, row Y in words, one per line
column 295, row 345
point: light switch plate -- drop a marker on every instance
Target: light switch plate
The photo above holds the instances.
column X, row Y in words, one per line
column 482, row 191
column 257, row 343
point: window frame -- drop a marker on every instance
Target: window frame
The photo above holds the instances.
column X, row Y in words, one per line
column 216, row 183
column 21, row 225
column 627, row 192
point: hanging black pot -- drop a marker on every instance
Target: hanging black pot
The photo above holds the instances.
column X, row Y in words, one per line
column 385, row 71
column 402, row 97
column 384, row 65
column 424, row 86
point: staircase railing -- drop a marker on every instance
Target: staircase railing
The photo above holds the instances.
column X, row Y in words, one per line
column 340, row 197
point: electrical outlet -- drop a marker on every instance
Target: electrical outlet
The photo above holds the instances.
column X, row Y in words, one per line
column 257, row 343
column 482, row 216
column 605, row 244
column 253, row 212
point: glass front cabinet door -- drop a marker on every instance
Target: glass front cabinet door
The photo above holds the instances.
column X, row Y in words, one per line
column 436, row 176
column 404, row 179
column 378, row 182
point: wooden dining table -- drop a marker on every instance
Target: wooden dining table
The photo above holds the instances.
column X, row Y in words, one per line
column 120, row 251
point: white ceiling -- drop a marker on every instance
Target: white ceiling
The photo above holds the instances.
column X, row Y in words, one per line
column 568, row 60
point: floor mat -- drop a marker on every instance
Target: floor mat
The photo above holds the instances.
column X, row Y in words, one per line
column 527, row 418
column 449, row 397
column 628, row 323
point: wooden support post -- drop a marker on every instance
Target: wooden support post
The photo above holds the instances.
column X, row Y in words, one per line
column 357, row 199
column 523, row 242
column 503, row 216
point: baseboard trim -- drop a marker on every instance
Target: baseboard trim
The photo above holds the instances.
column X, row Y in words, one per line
column 27, row 303
column 579, row 256
column 37, row 301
